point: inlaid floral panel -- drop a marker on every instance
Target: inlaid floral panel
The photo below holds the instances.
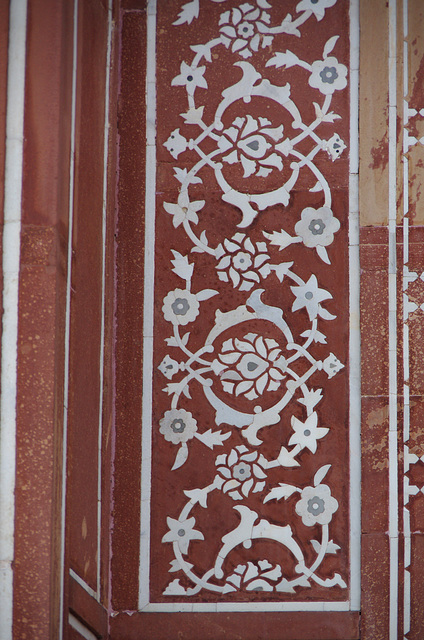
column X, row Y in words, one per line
column 250, row 471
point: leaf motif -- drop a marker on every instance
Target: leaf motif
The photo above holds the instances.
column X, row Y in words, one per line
column 320, row 474
column 286, row 459
column 317, row 337
column 172, row 387
column 316, row 545
column 182, row 267
column 198, row 496
column 280, row 239
column 317, row 187
column 282, row 269
column 185, row 337
column 329, row 46
column 205, row 51
column 282, row 491
column 205, row 294
column 188, row 12
column 318, row 111
column 193, row 116
column 213, row 438
column 186, row 392
column 287, row 59
column 332, row 547
column 330, row 117
column 181, row 457
column 174, row 589
column 322, row 252
column 175, row 566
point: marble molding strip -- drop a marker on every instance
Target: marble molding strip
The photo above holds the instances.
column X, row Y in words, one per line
column 393, row 450
column 68, row 318
column 11, row 258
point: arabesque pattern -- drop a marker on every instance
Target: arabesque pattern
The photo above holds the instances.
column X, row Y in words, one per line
column 251, row 422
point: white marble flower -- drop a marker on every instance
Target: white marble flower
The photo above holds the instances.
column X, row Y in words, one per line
column 182, row 532
column 332, row 365
column 241, row 260
column 184, row 209
column 317, row 7
column 242, row 471
column 307, row 433
column 252, row 142
column 317, row 227
column 176, row 143
column 250, row 366
column 328, row 75
column 178, row 425
column 180, row 307
column 191, row 78
column 310, row 296
column 169, row 367
column 244, row 28
column 316, row 505
column 334, row 146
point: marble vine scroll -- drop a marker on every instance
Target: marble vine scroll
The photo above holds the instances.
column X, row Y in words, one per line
column 250, row 463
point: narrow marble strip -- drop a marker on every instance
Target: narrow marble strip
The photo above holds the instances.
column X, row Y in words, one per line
column 354, row 334
column 406, row 370
column 393, row 484
column 11, row 258
column 82, row 630
column 68, row 316
column 83, row 584
column 102, row 328
column 149, row 265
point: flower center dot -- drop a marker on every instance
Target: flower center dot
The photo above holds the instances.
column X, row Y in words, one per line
column 309, row 295
column 251, row 366
column 181, row 532
column 189, row 78
column 307, row 432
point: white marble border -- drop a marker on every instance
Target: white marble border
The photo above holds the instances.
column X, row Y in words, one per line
column 392, row 266
column 11, row 262
column 68, row 318
column 353, row 604
column 354, row 323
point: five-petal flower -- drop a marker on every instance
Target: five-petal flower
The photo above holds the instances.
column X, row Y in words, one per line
column 307, row 433
column 316, row 505
column 182, row 532
column 309, row 295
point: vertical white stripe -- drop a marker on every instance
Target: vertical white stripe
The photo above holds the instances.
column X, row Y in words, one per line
column 11, row 258
column 68, row 316
column 406, row 370
column 393, row 466
column 149, row 264
column 354, row 329
column 102, row 328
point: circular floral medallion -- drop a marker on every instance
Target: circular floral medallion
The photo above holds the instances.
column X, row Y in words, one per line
column 241, row 261
column 250, row 366
column 243, row 29
column 243, row 471
column 328, row 75
column 180, row 307
column 178, row 425
column 316, row 505
column 317, row 227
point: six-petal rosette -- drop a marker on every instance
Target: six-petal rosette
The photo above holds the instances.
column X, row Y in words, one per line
column 243, row 471
column 250, row 366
